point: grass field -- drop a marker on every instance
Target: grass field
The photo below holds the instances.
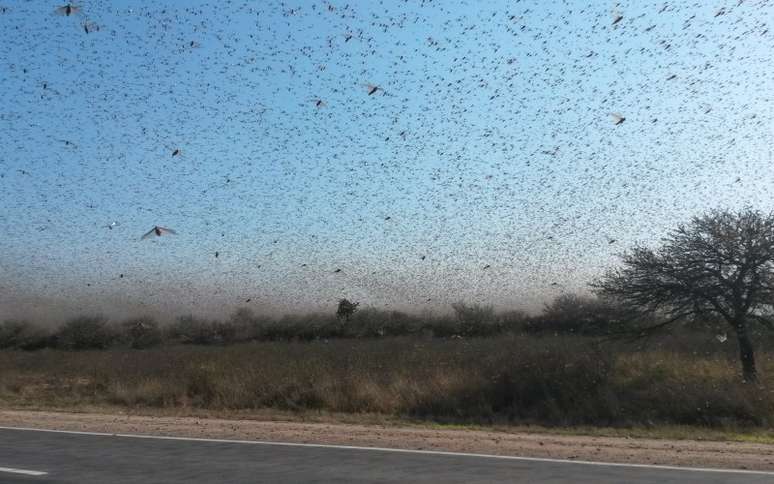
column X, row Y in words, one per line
column 511, row 380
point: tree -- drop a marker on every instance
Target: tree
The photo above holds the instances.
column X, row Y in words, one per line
column 721, row 264
column 346, row 309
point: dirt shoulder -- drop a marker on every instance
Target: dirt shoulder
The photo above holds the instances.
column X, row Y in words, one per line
column 737, row 455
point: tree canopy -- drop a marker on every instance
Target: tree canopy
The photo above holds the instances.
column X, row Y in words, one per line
column 719, row 264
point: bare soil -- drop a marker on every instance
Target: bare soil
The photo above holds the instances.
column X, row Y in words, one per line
column 694, row 453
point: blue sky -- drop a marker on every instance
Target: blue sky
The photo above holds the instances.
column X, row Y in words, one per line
column 490, row 143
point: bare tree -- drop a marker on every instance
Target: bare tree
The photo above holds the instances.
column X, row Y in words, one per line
column 720, row 264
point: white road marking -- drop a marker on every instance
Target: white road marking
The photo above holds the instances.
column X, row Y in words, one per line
column 25, row 472
column 405, row 451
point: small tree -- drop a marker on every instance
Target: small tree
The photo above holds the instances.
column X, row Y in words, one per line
column 346, row 309
column 720, row 264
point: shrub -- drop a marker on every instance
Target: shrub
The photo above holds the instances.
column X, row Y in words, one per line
column 191, row 330
column 307, row 328
column 376, row 323
column 85, row 333
column 140, row 333
column 547, row 383
column 442, row 326
column 247, row 326
column 476, row 319
column 513, row 321
column 574, row 314
column 22, row 335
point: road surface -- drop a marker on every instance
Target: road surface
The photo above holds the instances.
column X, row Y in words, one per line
column 31, row 456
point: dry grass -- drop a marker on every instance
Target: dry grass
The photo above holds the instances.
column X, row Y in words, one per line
column 549, row 381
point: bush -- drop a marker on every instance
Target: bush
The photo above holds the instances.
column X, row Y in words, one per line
column 442, row 326
column 375, row 323
column 513, row 321
column 574, row 314
column 306, row 328
column 567, row 314
column 247, row 326
column 476, row 319
column 140, row 333
column 85, row 333
column 546, row 383
column 191, row 330
column 22, row 335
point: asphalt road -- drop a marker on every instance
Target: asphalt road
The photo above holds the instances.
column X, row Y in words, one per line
column 86, row 459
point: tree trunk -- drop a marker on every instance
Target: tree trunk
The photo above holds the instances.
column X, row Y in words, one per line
column 746, row 354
